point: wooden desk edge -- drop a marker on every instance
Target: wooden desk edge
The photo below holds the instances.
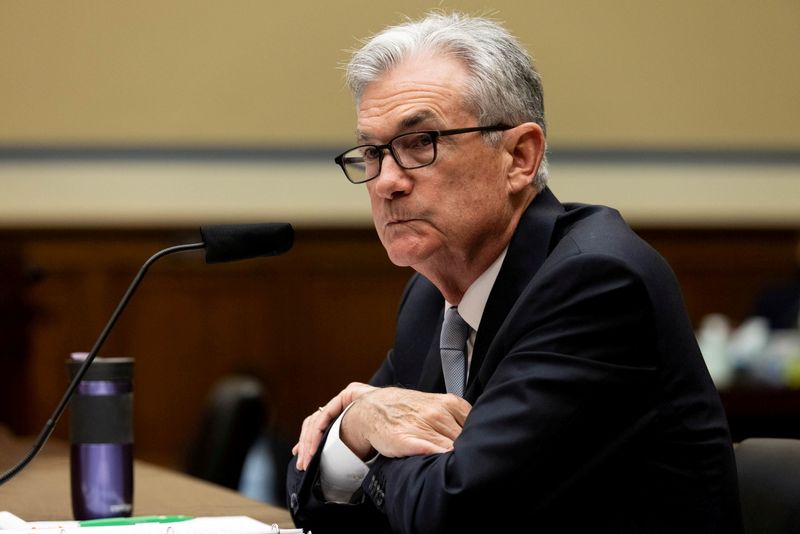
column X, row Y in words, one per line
column 42, row 491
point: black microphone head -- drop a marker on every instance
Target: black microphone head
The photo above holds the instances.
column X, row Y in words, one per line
column 231, row 242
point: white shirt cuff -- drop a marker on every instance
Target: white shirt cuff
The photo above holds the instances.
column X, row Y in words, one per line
column 341, row 471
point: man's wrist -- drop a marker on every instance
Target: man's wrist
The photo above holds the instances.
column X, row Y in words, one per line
column 352, row 435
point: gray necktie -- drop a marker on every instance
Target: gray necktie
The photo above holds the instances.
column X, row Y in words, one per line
column 453, row 348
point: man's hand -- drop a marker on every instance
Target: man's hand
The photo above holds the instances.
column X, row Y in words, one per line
column 402, row 422
column 314, row 425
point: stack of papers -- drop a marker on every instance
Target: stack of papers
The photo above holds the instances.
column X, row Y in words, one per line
column 11, row 524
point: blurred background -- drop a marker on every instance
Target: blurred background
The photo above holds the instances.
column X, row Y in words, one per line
column 124, row 126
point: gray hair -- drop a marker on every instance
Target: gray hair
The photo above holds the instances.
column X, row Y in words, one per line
column 504, row 85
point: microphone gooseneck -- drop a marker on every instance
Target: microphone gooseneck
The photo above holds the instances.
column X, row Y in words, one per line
column 62, row 405
column 222, row 243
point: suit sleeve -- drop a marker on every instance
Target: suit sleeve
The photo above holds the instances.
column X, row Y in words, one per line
column 566, row 383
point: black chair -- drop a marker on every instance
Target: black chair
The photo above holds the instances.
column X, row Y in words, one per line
column 235, row 415
column 769, row 485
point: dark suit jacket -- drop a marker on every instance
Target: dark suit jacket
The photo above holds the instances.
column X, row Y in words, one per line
column 592, row 408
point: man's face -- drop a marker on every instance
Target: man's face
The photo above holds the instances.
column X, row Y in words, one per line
column 433, row 216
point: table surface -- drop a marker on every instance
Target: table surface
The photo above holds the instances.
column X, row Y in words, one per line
column 41, row 492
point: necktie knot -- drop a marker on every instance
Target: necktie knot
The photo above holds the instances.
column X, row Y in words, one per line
column 452, row 346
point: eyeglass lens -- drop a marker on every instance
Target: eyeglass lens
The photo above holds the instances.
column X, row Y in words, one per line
column 410, row 151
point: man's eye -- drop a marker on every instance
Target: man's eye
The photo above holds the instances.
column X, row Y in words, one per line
column 371, row 153
column 417, row 141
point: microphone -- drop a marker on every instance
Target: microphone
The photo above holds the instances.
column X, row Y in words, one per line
column 231, row 242
column 223, row 243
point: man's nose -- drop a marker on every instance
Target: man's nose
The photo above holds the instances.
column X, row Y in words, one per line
column 393, row 181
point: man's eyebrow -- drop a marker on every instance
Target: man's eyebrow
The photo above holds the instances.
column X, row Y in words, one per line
column 415, row 119
column 406, row 124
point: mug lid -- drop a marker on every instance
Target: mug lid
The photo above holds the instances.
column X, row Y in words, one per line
column 103, row 369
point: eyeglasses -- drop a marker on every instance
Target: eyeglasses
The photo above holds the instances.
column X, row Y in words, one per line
column 410, row 150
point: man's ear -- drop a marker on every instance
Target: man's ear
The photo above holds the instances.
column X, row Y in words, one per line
column 526, row 145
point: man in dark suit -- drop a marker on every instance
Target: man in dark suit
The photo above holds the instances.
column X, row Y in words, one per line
column 544, row 375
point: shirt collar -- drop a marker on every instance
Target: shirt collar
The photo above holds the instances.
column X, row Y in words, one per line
column 474, row 300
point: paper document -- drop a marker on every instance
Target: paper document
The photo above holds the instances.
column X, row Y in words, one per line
column 11, row 524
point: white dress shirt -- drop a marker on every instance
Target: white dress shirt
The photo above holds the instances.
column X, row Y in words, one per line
column 341, row 471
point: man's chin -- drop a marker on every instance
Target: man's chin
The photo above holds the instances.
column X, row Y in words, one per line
column 401, row 260
column 405, row 254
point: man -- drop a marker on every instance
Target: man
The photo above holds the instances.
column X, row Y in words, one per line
column 579, row 400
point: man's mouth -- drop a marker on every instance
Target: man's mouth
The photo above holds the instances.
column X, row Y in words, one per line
column 392, row 222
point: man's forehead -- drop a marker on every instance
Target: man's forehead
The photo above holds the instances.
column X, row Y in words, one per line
column 423, row 91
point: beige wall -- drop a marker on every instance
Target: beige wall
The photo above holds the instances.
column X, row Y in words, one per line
column 620, row 72
column 629, row 74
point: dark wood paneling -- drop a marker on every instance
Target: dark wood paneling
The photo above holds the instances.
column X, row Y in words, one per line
column 13, row 332
column 724, row 270
column 307, row 322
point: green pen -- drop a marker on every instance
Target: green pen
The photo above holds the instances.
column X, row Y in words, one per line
column 122, row 521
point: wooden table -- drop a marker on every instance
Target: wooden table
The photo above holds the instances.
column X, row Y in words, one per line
column 41, row 492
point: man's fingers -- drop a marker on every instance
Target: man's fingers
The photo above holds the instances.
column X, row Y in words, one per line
column 352, row 392
column 458, row 407
column 422, row 447
column 445, row 415
column 418, row 446
column 314, row 425
column 299, row 448
column 445, row 425
column 310, row 437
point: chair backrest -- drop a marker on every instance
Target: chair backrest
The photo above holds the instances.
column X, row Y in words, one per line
column 235, row 415
column 769, row 485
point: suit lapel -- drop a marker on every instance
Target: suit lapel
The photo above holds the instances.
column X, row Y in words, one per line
column 527, row 250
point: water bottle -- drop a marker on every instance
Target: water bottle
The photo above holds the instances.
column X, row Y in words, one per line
column 101, row 439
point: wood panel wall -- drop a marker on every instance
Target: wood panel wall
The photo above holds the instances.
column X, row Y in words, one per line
column 306, row 323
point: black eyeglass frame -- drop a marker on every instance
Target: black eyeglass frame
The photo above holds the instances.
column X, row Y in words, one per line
column 434, row 135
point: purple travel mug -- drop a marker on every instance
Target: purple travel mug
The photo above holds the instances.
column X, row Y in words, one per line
column 101, row 439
